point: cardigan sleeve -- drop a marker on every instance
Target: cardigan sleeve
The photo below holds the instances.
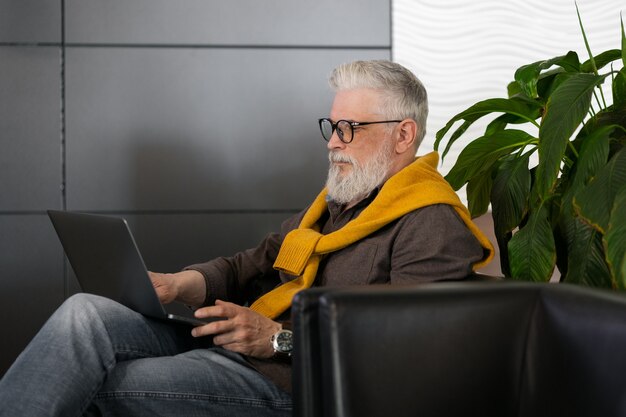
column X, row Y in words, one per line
column 229, row 278
column 244, row 276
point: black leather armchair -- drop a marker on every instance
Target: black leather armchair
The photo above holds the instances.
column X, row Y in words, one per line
column 460, row 349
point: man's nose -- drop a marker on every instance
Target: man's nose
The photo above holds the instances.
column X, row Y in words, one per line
column 335, row 142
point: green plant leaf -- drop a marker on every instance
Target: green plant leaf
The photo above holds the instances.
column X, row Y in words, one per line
column 513, row 89
column 595, row 201
column 594, row 68
column 524, row 109
column 480, row 155
column 545, row 84
column 457, row 134
column 612, row 116
column 509, row 195
column 593, row 155
column 565, row 111
column 601, row 60
column 501, row 122
column 478, row 192
column 532, row 253
column 619, row 89
column 585, row 260
column 615, row 240
column 527, row 76
column 623, row 42
column 550, row 81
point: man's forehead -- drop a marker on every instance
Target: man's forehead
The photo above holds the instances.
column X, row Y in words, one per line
column 355, row 104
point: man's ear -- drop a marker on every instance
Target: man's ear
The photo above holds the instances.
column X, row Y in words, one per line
column 406, row 133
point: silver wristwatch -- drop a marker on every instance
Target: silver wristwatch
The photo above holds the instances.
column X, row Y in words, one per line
column 282, row 342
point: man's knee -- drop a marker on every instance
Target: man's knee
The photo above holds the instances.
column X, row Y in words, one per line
column 82, row 302
column 83, row 309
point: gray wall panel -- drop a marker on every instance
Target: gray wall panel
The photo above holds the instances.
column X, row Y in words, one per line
column 31, row 276
column 30, row 21
column 169, row 242
column 196, row 119
column 243, row 22
column 192, row 129
column 30, row 105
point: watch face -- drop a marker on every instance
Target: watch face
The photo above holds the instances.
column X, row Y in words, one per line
column 284, row 341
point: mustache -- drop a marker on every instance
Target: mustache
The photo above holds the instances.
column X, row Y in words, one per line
column 337, row 157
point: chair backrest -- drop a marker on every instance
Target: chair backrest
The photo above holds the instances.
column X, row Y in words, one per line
column 576, row 354
column 471, row 349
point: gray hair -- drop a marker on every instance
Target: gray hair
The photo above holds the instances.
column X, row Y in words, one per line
column 404, row 94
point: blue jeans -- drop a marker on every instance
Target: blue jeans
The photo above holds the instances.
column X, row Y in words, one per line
column 97, row 357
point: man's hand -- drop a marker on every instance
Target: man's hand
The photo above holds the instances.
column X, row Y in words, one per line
column 244, row 331
column 165, row 286
column 188, row 287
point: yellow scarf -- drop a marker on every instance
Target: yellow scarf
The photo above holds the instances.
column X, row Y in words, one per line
column 417, row 185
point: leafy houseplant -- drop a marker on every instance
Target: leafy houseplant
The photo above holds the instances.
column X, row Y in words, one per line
column 569, row 209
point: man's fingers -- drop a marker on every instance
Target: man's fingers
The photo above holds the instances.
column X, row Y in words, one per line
column 221, row 309
column 243, row 331
column 200, row 331
column 213, row 328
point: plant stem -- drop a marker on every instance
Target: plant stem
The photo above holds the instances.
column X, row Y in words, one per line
column 568, row 162
column 571, row 147
column 595, row 94
column 603, row 99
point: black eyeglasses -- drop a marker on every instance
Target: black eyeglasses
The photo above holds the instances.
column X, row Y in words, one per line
column 344, row 128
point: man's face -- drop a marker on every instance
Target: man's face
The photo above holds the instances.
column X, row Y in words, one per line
column 356, row 168
column 360, row 105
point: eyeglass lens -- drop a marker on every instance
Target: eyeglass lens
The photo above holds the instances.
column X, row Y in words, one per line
column 344, row 130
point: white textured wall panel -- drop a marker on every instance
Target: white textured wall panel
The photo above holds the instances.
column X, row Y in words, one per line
column 466, row 51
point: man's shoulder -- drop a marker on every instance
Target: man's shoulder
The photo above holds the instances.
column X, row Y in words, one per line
column 434, row 214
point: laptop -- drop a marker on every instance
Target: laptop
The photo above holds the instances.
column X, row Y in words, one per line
column 107, row 262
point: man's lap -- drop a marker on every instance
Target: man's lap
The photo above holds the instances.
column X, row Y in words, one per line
column 200, row 379
column 134, row 366
column 197, row 377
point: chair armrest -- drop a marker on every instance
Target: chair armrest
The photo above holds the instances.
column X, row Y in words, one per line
column 399, row 351
column 306, row 356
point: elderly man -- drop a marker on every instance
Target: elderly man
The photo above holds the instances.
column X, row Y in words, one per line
column 384, row 217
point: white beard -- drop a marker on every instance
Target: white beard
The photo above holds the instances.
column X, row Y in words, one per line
column 361, row 180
